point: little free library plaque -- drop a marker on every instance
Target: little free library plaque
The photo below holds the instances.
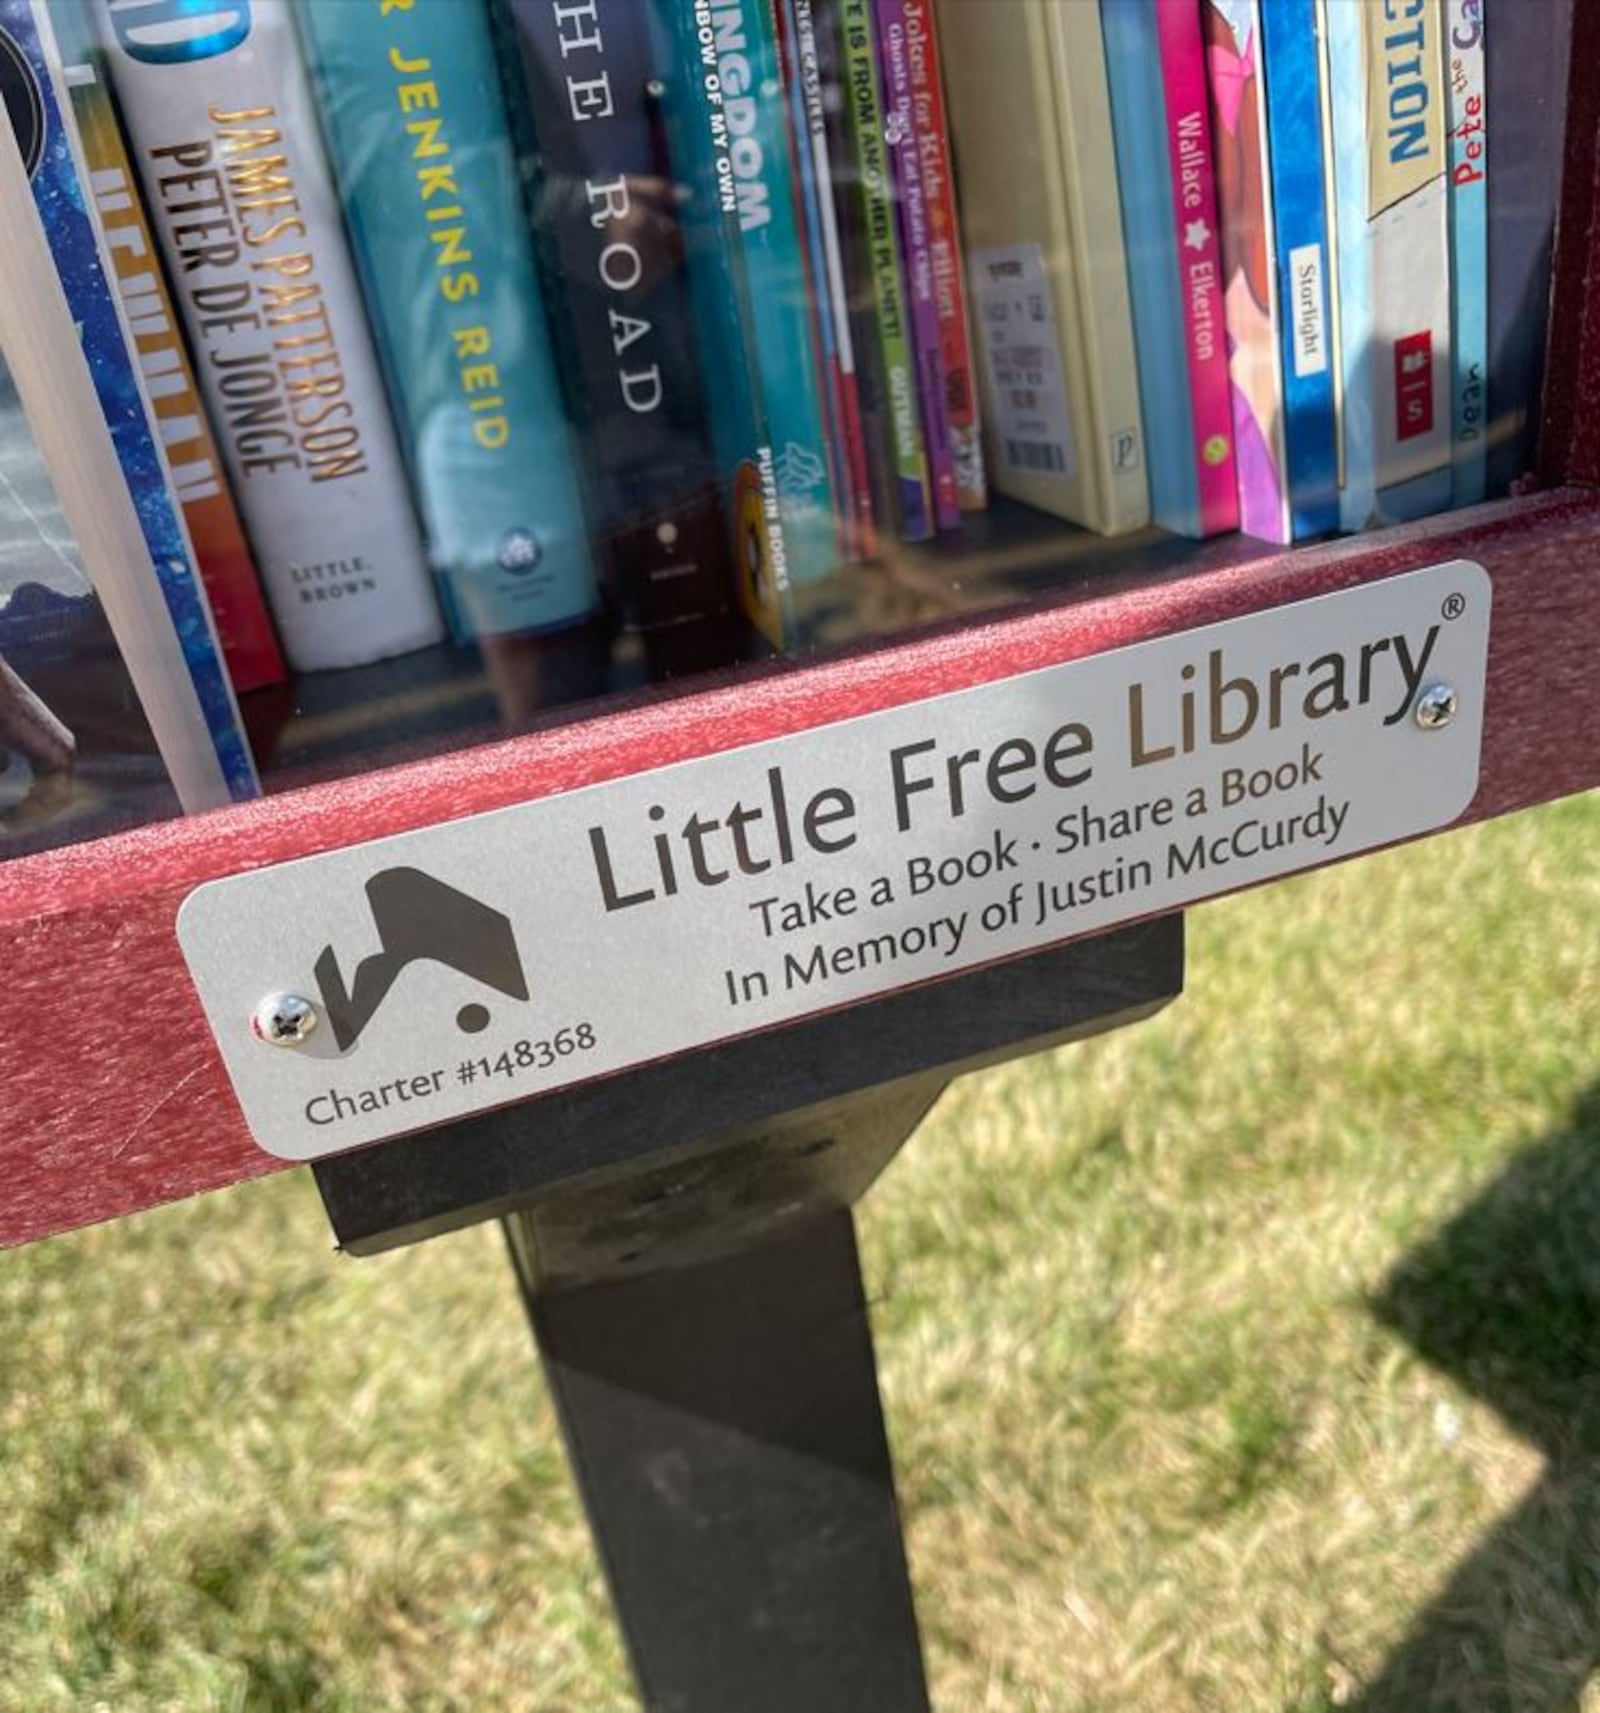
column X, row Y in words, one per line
column 380, row 989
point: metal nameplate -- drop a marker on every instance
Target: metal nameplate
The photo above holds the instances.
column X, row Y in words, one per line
column 377, row 990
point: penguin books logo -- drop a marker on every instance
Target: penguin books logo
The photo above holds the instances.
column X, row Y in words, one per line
column 420, row 920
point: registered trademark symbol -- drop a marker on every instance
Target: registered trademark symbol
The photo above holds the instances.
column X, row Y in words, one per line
column 1454, row 606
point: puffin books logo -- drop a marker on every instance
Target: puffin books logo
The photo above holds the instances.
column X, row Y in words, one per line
column 420, row 919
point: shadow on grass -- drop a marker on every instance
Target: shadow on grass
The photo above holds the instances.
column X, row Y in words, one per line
column 1506, row 1298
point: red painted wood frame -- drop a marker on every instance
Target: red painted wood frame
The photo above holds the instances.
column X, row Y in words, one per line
column 112, row 1095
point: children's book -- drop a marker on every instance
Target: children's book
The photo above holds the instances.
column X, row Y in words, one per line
column 1466, row 100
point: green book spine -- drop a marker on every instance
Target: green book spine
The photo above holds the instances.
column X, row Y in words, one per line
column 900, row 430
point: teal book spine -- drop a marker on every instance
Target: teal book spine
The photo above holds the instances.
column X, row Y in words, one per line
column 411, row 103
column 761, row 195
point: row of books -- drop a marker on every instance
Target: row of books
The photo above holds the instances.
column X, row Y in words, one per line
column 475, row 316
column 416, row 320
column 1278, row 283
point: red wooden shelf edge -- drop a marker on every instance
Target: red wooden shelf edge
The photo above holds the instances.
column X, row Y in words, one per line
column 114, row 1097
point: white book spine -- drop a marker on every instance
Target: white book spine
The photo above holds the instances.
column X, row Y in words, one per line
column 219, row 108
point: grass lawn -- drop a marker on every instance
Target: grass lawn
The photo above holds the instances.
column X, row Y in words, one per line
column 1243, row 1361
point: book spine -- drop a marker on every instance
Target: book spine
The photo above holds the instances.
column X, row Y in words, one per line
column 829, row 253
column 1197, row 234
column 602, row 210
column 1387, row 106
column 932, row 128
column 761, row 196
column 227, row 568
column 59, row 194
column 890, row 316
column 1244, row 186
column 447, row 265
column 1466, row 95
column 1292, row 69
column 699, row 143
column 808, row 207
column 916, row 250
column 1155, row 72
column 220, row 112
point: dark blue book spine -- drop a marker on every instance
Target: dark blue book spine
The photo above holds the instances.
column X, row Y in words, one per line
column 585, row 87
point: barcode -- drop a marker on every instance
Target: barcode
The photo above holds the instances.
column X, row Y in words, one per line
column 1036, row 455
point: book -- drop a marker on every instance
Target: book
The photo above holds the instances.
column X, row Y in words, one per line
column 1234, row 56
column 699, row 144
column 102, row 715
column 946, row 255
column 1386, row 100
column 77, row 756
column 153, row 594
column 602, row 207
column 890, row 391
column 219, row 109
column 1527, row 48
column 803, row 68
column 1046, row 258
column 916, row 250
column 1155, row 66
column 423, row 164
column 739, row 48
column 1302, row 257
column 1467, row 117
column 227, row 566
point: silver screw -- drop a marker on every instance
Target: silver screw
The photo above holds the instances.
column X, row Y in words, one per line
column 1436, row 707
column 284, row 1020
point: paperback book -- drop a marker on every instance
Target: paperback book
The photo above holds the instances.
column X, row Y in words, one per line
column 424, row 167
column 1303, row 264
column 803, row 63
column 698, row 142
column 916, row 248
column 945, row 253
column 1047, row 259
column 1249, row 249
column 1386, row 98
column 891, row 394
column 225, row 135
column 1155, row 64
column 1466, row 100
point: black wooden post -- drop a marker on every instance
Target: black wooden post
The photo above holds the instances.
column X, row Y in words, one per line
column 684, row 1244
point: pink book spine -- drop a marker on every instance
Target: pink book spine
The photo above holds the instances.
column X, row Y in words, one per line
column 1194, row 208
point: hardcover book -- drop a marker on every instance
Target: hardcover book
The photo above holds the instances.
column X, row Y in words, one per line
column 890, row 387
column 916, row 248
column 1303, row 260
column 219, row 109
column 102, row 718
column 1386, row 98
column 1155, row 64
column 1234, row 57
column 227, row 567
column 423, row 163
column 1467, row 111
column 158, row 597
column 602, row 206
column 1046, row 258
